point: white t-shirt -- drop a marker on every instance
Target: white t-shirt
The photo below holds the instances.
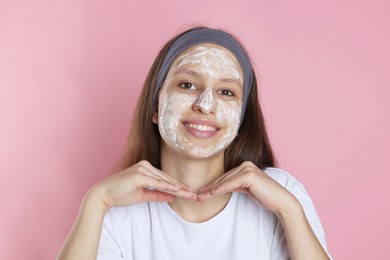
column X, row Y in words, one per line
column 242, row 230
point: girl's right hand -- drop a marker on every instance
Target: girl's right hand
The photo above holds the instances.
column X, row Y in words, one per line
column 139, row 183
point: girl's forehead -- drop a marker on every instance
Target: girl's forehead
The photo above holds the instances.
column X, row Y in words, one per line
column 213, row 52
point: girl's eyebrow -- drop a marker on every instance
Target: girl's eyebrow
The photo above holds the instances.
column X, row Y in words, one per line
column 235, row 81
column 198, row 75
column 188, row 72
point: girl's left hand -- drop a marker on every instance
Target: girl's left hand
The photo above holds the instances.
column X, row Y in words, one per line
column 248, row 178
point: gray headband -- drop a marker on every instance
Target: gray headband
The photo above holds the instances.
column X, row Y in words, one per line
column 206, row 35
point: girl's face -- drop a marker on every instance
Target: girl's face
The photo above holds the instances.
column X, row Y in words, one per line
column 200, row 101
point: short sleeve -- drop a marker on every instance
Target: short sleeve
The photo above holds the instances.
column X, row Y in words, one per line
column 108, row 248
column 299, row 191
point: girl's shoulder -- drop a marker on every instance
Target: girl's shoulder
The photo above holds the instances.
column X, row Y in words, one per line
column 284, row 178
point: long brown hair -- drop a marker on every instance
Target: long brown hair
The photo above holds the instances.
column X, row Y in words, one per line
column 251, row 143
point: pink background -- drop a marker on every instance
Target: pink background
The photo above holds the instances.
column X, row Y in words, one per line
column 71, row 71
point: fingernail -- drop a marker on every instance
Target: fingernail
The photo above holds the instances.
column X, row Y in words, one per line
column 204, row 196
column 212, row 191
column 192, row 193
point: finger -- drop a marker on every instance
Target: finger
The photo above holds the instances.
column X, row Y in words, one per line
column 242, row 190
column 157, row 196
column 215, row 182
column 153, row 183
column 230, row 185
column 226, row 176
column 187, row 195
column 168, row 177
column 152, row 171
column 227, row 186
column 242, row 169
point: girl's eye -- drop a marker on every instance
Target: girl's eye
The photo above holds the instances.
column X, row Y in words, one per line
column 187, row 85
column 226, row 92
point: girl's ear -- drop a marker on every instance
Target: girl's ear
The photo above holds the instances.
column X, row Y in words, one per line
column 155, row 116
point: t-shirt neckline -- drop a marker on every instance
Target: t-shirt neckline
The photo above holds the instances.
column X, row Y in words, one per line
column 217, row 218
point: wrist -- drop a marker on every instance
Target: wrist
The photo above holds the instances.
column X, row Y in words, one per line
column 290, row 210
column 93, row 200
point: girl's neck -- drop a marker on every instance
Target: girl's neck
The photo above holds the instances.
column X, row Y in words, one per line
column 195, row 173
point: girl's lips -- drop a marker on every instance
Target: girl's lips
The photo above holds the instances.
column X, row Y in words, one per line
column 201, row 129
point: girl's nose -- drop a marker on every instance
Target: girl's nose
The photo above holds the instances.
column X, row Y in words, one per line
column 205, row 102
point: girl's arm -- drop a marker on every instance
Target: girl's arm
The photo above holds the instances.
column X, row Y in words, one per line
column 248, row 178
column 83, row 239
column 301, row 240
column 139, row 183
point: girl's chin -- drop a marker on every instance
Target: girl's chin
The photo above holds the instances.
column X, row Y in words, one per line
column 196, row 148
column 199, row 152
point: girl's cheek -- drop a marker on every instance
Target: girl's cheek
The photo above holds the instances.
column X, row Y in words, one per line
column 229, row 113
column 179, row 103
column 172, row 106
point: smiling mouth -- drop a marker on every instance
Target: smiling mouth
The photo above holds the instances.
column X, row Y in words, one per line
column 205, row 128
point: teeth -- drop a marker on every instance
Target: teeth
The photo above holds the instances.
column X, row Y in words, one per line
column 202, row 127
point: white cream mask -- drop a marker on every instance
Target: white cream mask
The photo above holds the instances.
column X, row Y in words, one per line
column 176, row 108
column 212, row 61
column 206, row 101
column 172, row 107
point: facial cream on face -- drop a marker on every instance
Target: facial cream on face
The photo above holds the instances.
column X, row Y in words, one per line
column 173, row 107
column 178, row 124
column 206, row 100
column 212, row 61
